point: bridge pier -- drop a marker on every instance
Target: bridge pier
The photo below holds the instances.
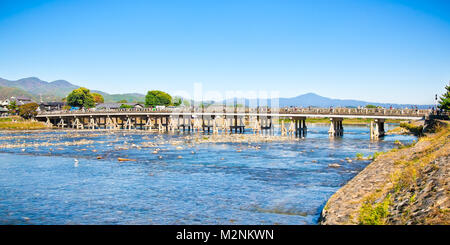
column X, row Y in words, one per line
column 92, row 124
column 61, row 123
column 48, row 123
column 77, row 124
column 300, row 126
column 237, row 123
column 376, row 128
column 129, row 124
column 336, row 127
column 109, row 124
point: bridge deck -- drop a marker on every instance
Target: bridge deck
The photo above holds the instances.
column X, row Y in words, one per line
column 315, row 113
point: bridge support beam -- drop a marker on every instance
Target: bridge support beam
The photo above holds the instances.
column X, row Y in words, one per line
column 336, row 127
column 77, row 124
column 92, row 124
column 109, row 124
column 61, row 123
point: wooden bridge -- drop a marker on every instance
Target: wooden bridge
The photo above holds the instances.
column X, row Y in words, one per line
column 224, row 120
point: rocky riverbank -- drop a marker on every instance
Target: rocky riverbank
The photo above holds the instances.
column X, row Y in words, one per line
column 408, row 185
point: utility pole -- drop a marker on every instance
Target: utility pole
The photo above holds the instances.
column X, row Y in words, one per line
column 435, row 101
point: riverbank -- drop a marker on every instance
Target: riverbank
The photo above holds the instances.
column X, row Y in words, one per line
column 18, row 123
column 407, row 185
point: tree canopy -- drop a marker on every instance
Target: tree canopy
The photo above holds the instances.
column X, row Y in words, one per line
column 81, row 97
column 177, row 100
column 98, row 98
column 125, row 106
column 156, row 97
column 12, row 107
column 444, row 102
column 28, row 111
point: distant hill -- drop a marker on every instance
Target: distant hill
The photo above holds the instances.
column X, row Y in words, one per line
column 314, row 100
column 34, row 88
column 7, row 92
column 311, row 99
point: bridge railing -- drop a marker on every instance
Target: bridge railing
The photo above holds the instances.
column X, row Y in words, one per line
column 313, row 111
column 357, row 111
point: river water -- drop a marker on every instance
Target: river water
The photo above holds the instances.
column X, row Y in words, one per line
column 213, row 183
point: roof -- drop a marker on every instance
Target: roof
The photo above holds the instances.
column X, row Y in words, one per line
column 114, row 105
column 56, row 103
column 22, row 98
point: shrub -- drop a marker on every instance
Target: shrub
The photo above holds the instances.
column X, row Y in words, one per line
column 416, row 130
column 125, row 106
column 376, row 154
column 374, row 213
column 359, row 156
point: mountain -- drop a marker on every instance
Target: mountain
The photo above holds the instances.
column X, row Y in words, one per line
column 314, row 100
column 34, row 88
column 7, row 92
column 37, row 88
column 311, row 99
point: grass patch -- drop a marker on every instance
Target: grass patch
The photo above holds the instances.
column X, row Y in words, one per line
column 359, row 156
column 18, row 123
column 377, row 154
column 5, row 119
column 372, row 213
column 414, row 129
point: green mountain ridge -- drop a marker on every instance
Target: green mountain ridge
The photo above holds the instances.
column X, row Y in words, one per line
column 7, row 92
column 35, row 89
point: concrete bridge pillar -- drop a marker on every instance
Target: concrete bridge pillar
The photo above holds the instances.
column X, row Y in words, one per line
column 376, row 128
column 336, row 127
column 304, row 128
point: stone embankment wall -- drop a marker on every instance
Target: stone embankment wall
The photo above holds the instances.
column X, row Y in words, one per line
column 409, row 185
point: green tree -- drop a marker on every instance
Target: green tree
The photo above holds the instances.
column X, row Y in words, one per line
column 370, row 106
column 186, row 103
column 444, row 102
column 98, row 98
column 28, row 111
column 156, row 97
column 125, row 106
column 13, row 107
column 177, row 100
column 81, row 97
column 122, row 101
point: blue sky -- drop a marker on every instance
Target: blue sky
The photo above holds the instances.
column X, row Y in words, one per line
column 381, row 51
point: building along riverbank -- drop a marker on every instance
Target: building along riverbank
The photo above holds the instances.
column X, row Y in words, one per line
column 407, row 185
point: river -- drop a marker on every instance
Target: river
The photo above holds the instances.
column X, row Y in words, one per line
column 284, row 182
